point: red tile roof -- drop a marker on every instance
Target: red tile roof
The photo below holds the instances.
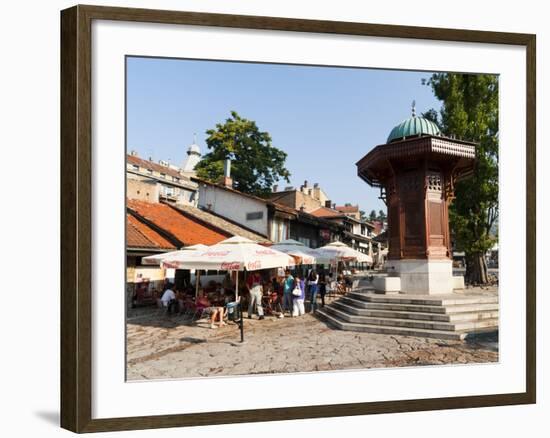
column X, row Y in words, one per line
column 182, row 227
column 326, row 212
column 348, row 208
column 140, row 235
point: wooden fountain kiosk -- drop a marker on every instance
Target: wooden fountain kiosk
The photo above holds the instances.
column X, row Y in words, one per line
column 416, row 171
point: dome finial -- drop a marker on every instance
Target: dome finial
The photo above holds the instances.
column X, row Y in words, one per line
column 414, row 108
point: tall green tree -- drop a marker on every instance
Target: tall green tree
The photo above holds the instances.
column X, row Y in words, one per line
column 372, row 215
column 256, row 164
column 470, row 111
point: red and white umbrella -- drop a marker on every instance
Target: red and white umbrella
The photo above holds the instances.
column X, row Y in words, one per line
column 234, row 254
column 156, row 259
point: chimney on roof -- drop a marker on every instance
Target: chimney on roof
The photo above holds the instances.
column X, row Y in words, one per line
column 134, row 153
column 305, row 183
column 328, row 203
column 316, row 185
column 227, row 181
column 334, row 206
column 275, row 188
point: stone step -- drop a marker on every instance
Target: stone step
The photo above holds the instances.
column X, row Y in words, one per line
column 457, row 308
column 334, row 321
column 441, row 300
column 430, row 316
column 412, row 323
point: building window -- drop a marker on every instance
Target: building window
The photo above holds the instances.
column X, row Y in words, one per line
column 255, row 215
column 135, row 167
column 163, row 175
column 279, row 231
column 149, row 171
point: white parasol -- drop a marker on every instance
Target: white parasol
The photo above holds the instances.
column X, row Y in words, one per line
column 302, row 253
column 340, row 251
column 158, row 258
column 234, row 254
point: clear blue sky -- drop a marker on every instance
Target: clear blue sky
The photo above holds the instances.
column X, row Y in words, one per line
column 325, row 118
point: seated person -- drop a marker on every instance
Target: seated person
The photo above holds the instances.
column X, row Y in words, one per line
column 228, row 283
column 267, row 288
column 182, row 299
column 229, row 296
column 210, row 310
column 218, row 298
column 169, row 298
column 348, row 282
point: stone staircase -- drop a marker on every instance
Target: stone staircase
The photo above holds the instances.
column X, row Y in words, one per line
column 453, row 317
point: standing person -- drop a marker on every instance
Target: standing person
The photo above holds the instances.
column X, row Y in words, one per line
column 254, row 283
column 312, row 283
column 322, row 286
column 298, row 299
column 288, row 285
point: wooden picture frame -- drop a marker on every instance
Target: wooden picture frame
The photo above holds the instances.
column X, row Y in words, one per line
column 76, row 218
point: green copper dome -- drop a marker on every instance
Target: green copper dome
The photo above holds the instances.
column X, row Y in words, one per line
column 413, row 126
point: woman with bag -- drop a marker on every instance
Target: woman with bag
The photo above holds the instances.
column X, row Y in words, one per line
column 298, row 296
column 312, row 283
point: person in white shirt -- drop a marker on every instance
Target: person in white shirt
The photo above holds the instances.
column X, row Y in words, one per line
column 168, row 298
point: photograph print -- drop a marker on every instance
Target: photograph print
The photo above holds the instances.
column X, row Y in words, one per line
column 295, row 218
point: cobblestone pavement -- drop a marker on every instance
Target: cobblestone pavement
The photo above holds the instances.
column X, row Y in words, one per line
column 159, row 346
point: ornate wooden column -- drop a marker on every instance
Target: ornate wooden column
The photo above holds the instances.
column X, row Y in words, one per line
column 416, row 174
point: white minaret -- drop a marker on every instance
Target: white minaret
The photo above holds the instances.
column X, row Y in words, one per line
column 193, row 156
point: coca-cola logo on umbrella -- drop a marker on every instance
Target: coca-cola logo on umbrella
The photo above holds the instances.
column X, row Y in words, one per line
column 254, row 265
column 230, row 266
